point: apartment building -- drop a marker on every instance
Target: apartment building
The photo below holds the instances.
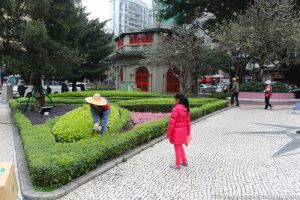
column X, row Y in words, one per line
column 130, row 16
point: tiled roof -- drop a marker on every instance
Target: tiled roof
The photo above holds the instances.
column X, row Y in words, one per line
column 126, row 54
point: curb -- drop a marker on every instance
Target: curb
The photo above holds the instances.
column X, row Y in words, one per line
column 26, row 186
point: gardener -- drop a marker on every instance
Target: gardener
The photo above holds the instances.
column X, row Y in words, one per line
column 100, row 110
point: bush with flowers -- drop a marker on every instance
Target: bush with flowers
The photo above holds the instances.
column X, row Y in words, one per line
column 140, row 118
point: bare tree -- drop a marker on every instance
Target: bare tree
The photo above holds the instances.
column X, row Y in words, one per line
column 267, row 33
column 183, row 51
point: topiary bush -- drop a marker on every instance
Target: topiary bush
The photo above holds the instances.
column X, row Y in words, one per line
column 77, row 124
column 260, row 87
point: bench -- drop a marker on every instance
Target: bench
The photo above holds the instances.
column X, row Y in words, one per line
column 258, row 98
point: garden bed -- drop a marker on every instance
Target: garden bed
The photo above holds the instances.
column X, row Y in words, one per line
column 36, row 118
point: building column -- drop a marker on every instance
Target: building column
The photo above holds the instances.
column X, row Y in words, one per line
column 117, row 68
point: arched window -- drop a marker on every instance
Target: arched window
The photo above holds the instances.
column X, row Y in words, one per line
column 173, row 83
column 121, row 74
column 142, row 78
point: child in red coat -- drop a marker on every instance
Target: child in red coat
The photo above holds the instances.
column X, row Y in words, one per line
column 179, row 128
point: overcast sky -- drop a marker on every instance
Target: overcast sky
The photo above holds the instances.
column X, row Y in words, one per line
column 100, row 8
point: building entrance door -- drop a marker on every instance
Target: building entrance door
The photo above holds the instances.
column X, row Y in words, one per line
column 142, row 79
column 173, row 83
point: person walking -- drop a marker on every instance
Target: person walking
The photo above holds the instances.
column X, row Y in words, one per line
column 21, row 89
column 179, row 129
column 100, row 111
column 268, row 94
column 235, row 92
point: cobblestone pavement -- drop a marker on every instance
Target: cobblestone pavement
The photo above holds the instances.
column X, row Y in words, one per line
column 242, row 153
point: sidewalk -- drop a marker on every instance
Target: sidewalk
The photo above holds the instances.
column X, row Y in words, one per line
column 241, row 153
column 7, row 153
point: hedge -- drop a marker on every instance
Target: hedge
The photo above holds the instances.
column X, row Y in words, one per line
column 260, row 86
column 76, row 124
column 220, row 95
column 78, row 100
column 116, row 93
column 159, row 104
column 53, row 164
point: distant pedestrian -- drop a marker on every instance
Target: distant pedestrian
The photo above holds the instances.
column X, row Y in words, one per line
column 235, row 92
column 179, row 129
column 268, row 94
column 64, row 87
column 21, row 89
column 49, row 90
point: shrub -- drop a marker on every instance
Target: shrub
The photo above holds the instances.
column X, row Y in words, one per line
column 103, row 87
column 83, row 94
column 77, row 124
column 77, row 100
column 220, row 95
column 139, row 118
column 53, row 164
column 158, row 104
column 260, row 86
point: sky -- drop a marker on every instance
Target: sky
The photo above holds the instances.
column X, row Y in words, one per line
column 101, row 8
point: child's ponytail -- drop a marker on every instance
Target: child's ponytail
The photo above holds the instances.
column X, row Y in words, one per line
column 183, row 100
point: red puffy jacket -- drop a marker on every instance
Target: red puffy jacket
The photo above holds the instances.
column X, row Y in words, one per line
column 179, row 125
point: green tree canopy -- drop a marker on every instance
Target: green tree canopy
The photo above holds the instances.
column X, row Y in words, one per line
column 186, row 11
column 51, row 38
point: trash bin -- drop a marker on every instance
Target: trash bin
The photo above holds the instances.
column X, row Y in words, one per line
column 7, row 92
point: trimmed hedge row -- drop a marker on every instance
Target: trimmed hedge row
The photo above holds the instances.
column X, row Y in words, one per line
column 220, row 95
column 76, row 124
column 76, row 100
column 52, row 164
column 115, row 93
column 159, row 104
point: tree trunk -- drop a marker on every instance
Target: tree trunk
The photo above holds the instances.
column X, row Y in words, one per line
column 36, row 78
column 39, row 94
column 74, row 87
column 259, row 75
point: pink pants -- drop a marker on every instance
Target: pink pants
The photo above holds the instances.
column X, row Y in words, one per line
column 180, row 154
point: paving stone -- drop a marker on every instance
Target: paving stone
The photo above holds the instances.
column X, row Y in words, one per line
column 241, row 153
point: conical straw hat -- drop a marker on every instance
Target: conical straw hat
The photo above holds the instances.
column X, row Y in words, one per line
column 96, row 99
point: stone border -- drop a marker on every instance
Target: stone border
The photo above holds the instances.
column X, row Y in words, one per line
column 26, row 186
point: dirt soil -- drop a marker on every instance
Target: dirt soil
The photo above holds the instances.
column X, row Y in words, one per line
column 36, row 118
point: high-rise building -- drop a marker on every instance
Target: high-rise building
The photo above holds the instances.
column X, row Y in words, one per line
column 130, row 16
